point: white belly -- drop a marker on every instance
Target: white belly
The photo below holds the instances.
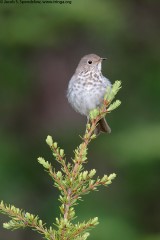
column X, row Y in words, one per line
column 87, row 97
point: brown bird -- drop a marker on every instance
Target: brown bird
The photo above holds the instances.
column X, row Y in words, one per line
column 87, row 88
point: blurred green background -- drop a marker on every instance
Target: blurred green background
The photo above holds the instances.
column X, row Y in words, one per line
column 40, row 47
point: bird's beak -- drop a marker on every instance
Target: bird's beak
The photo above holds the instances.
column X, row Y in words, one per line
column 103, row 58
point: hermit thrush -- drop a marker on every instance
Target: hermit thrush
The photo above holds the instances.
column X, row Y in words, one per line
column 87, row 88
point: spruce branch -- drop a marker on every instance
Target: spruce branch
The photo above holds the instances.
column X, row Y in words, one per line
column 72, row 181
column 22, row 219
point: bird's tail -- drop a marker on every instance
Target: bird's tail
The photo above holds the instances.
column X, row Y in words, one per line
column 102, row 126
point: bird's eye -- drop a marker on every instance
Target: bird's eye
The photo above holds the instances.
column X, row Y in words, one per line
column 90, row 62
